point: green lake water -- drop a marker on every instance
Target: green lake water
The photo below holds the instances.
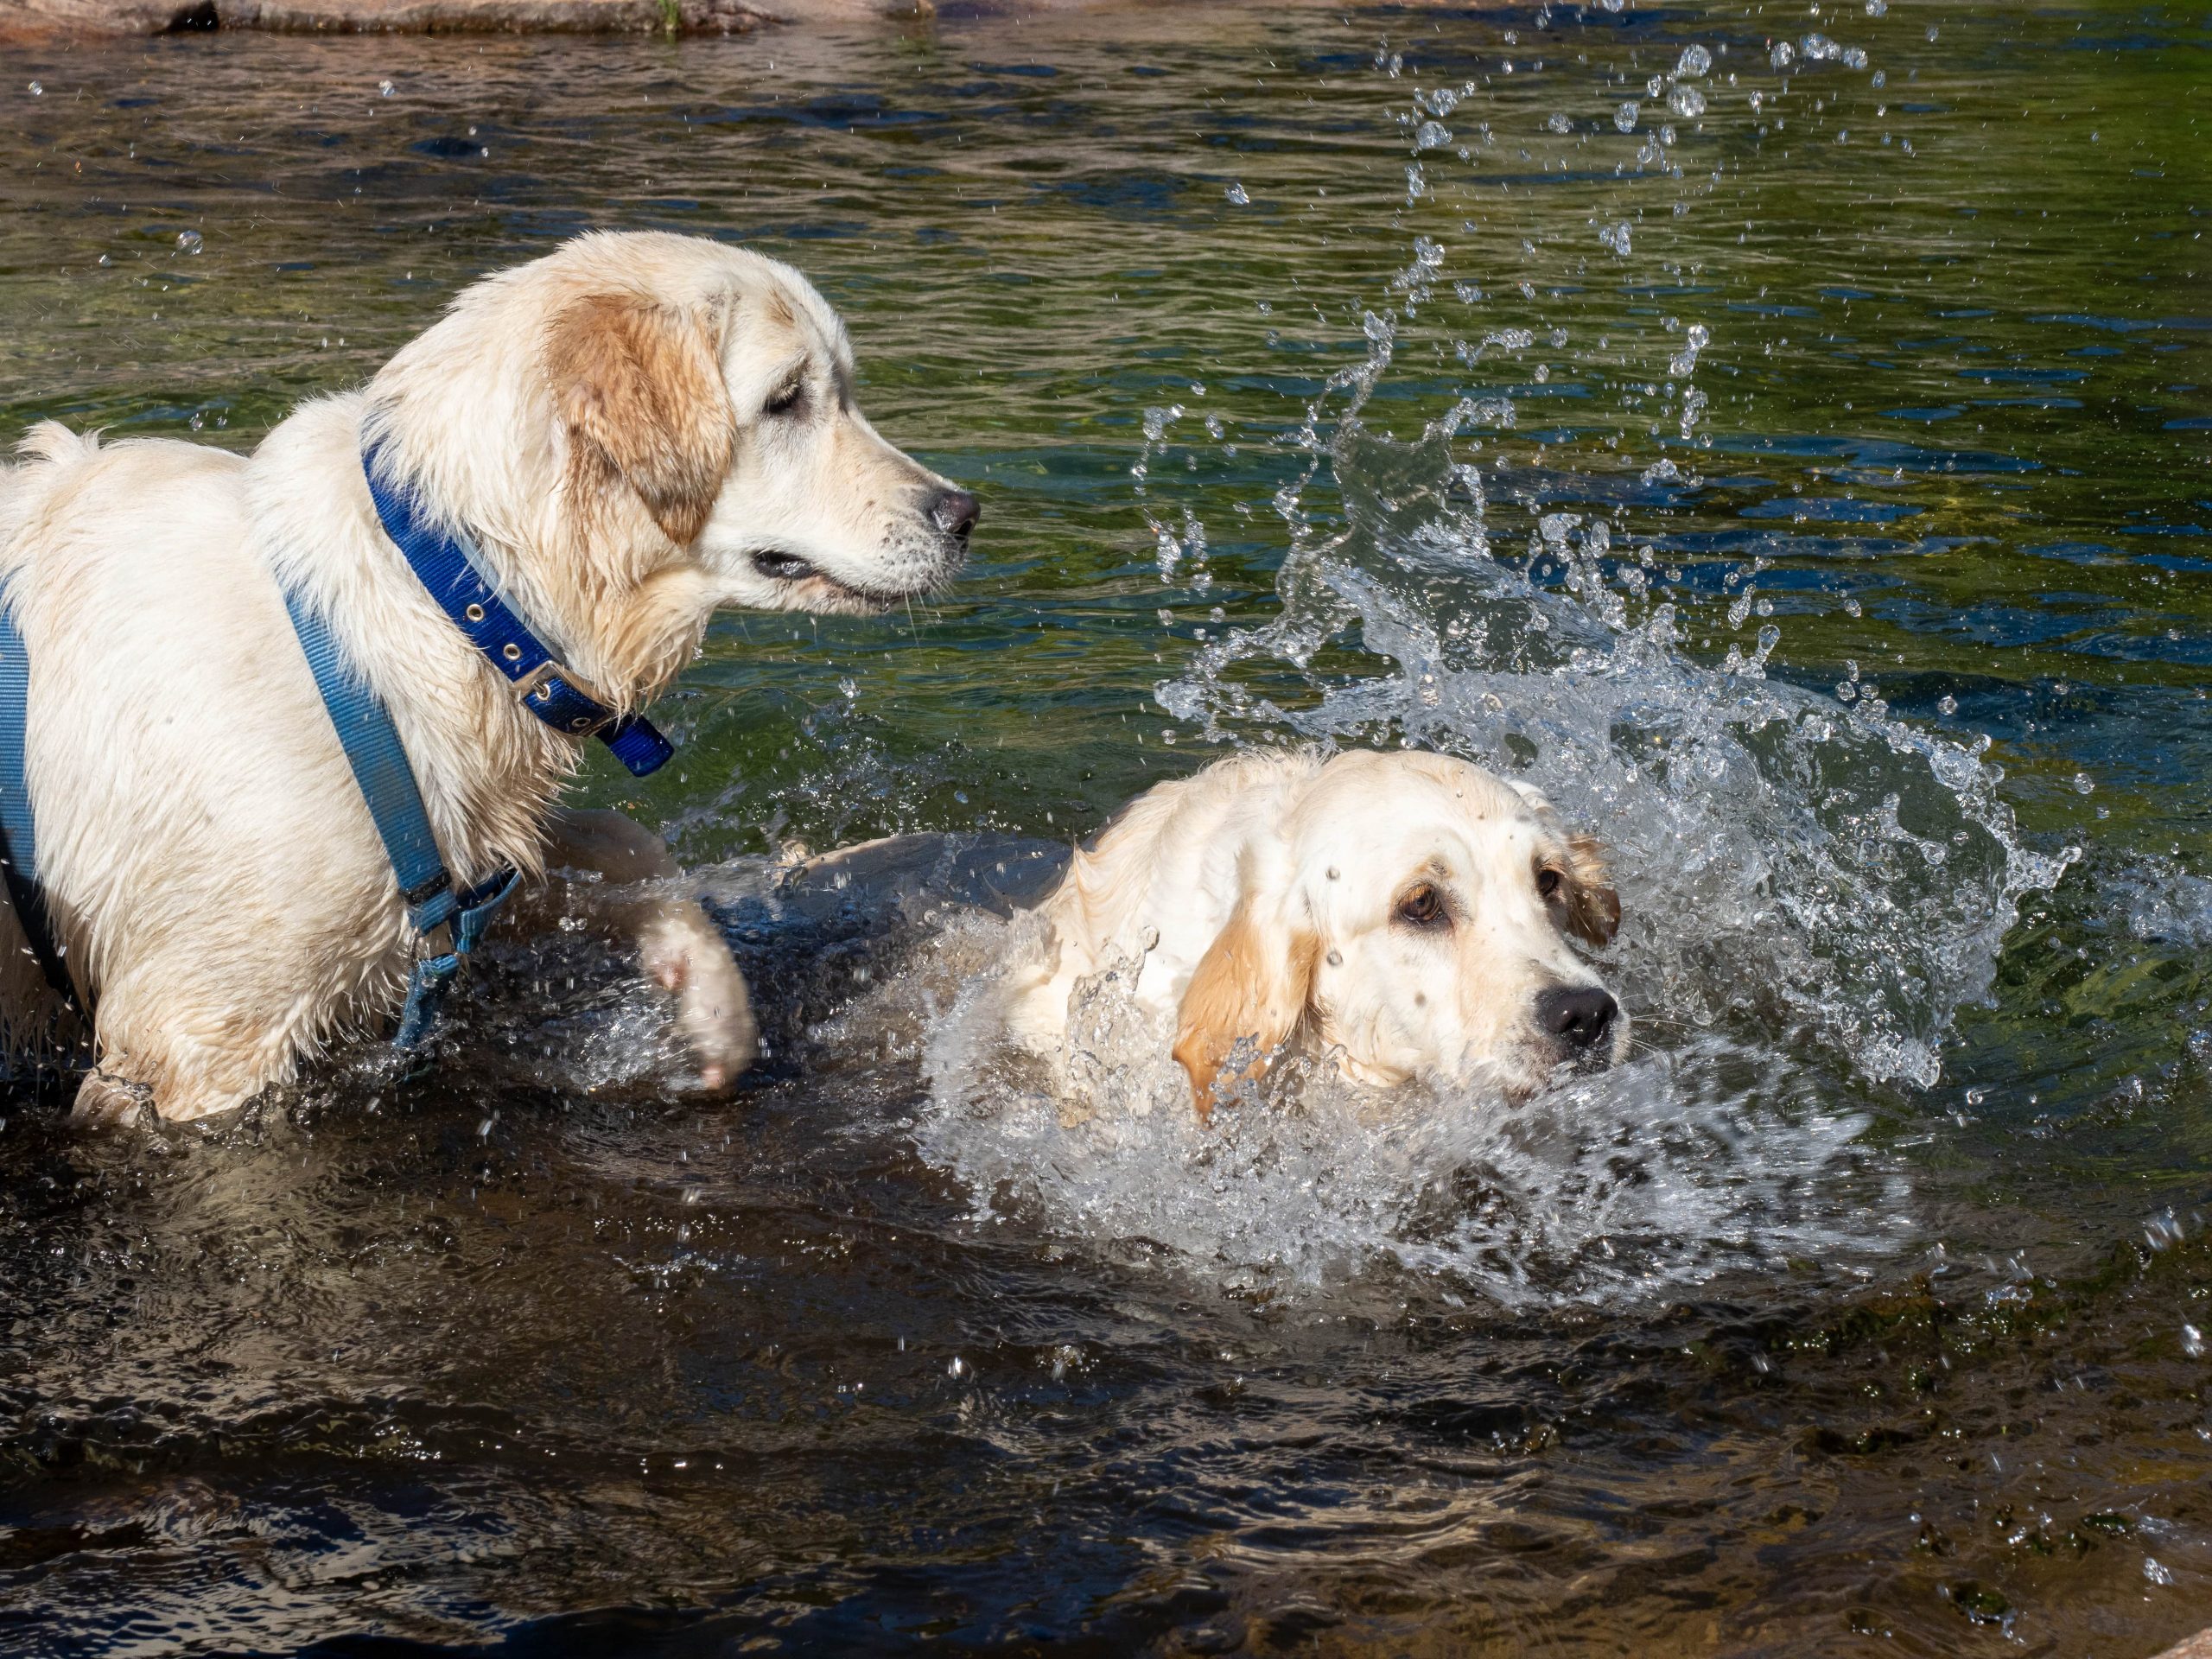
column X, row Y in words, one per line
column 1801, row 466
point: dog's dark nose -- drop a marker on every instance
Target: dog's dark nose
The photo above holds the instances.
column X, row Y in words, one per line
column 955, row 513
column 1577, row 1017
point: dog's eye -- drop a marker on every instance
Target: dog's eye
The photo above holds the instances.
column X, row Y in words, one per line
column 1421, row 907
column 1548, row 883
column 786, row 398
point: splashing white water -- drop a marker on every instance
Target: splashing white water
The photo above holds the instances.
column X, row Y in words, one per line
column 1668, row 1171
column 1804, row 869
column 1812, row 889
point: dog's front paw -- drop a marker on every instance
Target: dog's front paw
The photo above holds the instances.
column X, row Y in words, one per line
column 105, row 1101
column 713, row 1009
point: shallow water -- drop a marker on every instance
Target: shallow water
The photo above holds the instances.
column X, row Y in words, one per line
column 1862, row 1311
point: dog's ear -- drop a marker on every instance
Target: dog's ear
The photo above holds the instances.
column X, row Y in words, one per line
column 640, row 388
column 1593, row 909
column 1254, row 981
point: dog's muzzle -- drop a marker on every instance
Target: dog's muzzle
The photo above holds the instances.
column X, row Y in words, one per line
column 1578, row 1018
column 954, row 513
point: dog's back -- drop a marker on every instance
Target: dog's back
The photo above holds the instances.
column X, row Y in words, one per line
column 168, row 707
column 1153, row 889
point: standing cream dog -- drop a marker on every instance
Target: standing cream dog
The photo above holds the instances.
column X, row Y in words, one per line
column 635, row 430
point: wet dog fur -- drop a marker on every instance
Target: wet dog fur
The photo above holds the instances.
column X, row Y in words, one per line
column 635, row 430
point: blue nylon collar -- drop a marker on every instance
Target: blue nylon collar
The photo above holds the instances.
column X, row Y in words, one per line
column 544, row 685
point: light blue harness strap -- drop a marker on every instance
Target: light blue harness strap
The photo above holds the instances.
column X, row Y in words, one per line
column 447, row 924
column 475, row 909
column 18, row 829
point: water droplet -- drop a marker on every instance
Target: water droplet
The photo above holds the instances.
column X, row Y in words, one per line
column 1624, row 116
column 1693, row 62
column 1687, row 102
column 189, row 241
column 2192, row 1342
column 958, row 1368
column 2083, row 784
column 37, row 91
column 1237, row 196
column 1334, row 873
column 1947, row 705
column 1432, row 134
column 384, row 89
column 1336, row 958
column 1560, row 123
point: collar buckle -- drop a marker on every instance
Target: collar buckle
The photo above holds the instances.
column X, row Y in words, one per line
column 537, row 686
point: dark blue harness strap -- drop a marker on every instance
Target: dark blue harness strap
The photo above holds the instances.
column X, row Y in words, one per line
column 18, row 830
column 446, row 566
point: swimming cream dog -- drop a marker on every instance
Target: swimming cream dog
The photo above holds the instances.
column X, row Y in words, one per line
column 634, row 431
column 1408, row 914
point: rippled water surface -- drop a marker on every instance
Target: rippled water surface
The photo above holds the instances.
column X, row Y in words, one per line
column 1782, row 433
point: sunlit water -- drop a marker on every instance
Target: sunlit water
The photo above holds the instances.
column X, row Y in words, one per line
column 1781, row 435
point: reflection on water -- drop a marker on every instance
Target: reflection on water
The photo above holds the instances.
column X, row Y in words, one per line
column 1781, row 437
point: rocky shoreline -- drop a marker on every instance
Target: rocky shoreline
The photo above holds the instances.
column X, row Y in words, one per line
column 114, row 17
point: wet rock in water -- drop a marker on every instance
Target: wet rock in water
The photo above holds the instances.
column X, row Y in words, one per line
column 445, row 16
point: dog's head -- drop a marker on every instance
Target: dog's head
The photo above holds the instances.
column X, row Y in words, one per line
column 718, row 395
column 1414, row 914
column 642, row 428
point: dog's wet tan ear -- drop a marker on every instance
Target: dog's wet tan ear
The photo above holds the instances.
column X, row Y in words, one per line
column 1593, row 909
column 1254, row 981
column 639, row 386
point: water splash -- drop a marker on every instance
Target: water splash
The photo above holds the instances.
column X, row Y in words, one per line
column 1680, row 1166
column 1815, row 870
column 1814, row 887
